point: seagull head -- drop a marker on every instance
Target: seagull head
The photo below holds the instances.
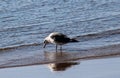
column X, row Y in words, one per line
column 46, row 41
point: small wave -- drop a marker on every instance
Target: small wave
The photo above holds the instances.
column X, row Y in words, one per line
column 81, row 38
column 18, row 27
column 9, row 20
column 97, row 35
column 6, row 17
column 19, row 46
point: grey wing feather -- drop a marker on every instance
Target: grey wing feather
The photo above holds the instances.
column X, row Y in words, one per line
column 60, row 38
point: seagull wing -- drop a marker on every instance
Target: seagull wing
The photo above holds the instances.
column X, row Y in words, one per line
column 61, row 38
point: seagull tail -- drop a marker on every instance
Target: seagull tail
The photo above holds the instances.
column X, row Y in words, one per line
column 73, row 40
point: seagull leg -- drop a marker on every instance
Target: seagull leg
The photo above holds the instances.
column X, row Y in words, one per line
column 56, row 47
column 61, row 48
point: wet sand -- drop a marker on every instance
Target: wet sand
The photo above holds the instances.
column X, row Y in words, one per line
column 101, row 62
column 36, row 56
column 97, row 68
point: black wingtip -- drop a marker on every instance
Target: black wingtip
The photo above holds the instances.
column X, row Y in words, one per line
column 74, row 40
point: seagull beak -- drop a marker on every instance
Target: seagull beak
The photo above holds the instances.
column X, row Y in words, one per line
column 44, row 45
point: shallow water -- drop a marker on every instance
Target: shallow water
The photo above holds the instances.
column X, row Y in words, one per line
column 27, row 22
column 99, row 68
column 33, row 55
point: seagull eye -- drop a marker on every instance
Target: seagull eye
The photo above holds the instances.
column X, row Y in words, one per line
column 44, row 41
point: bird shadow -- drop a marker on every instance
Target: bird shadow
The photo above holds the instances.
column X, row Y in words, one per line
column 60, row 60
column 61, row 66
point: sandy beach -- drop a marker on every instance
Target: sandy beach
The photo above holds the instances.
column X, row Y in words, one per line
column 96, row 68
column 31, row 61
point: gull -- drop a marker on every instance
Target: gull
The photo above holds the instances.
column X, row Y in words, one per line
column 57, row 39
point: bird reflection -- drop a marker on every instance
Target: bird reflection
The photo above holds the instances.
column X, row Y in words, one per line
column 61, row 66
column 59, row 60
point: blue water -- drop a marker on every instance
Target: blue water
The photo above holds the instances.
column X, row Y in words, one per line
column 28, row 22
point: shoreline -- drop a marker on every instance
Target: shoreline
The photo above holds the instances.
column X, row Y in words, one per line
column 97, row 68
column 21, row 57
